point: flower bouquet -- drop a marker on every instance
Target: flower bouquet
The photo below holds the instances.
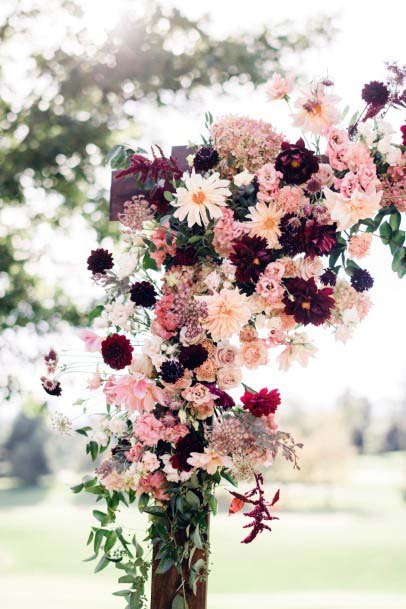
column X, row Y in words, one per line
column 222, row 264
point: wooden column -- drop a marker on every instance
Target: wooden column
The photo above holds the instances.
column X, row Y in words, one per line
column 164, row 587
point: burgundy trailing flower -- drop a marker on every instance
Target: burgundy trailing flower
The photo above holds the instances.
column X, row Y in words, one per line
column 224, row 400
column 185, row 256
column 206, row 158
column 260, row 513
column 361, row 280
column 193, row 356
column 292, row 237
column 117, row 351
column 143, row 294
column 187, row 445
column 171, row 371
column 251, row 256
column 160, row 168
column 319, row 239
column 296, row 162
column 329, row 277
column 262, row 403
column 99, row 261
column 306, row 302
column 52, row 387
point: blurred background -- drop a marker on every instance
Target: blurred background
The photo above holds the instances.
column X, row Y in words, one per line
column 78, row 77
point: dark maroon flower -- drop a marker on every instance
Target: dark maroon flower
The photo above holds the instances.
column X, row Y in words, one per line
column 296, row 162
column 262, row 403
column 193, row 356
column 329, row 277
column 171, row 371
column 143, row 294
column 375, row 93
column 403, row 132
column 251, row 256
column 156, row 198
column 205, row 158
column 224, row 400
column 361, row 280
column 191, row 443
column 117, row 351
column 306, row 302
column 99, row 261
column 52, row 387
column 292, row 238
column 185, row 256
column 319, row 239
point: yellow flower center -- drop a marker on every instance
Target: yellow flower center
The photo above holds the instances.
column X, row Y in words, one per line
column 199, row 197
column 306, row 305
column 295, row 163
column 313, row 107
column 256, row 261
column 270, row 223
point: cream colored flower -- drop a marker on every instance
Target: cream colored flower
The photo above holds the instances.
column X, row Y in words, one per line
column 200, row 198
column 347, row 211
column 243, row 178
column 209, row 460
column 316, row 111
column 228, row 311
column 265, row 222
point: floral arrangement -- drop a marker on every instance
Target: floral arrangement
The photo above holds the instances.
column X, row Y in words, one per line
column 223, row 264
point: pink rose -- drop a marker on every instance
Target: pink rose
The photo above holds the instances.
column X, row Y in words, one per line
column 254, row 353
column 229, row 377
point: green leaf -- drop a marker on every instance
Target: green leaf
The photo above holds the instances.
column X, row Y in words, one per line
column 168, row 196
column 229, row 478
column 197, row 540
column 154, row 510
column 192, row 499
column 82, row 431
column 98, row 538
column 395, row 220
column 125, row 593
column 96, row 312
column 143, row 502
column 102, row 564
column 77, row 489
column 100, row 516
column 213, row 504
column 385, row 232
column 179, row 602
column 149, row 263
column 164, row 565
column 110, row 541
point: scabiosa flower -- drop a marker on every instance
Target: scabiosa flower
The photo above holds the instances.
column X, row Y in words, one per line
column 306, row 302
column 185, row 256
column 193, row 356
column 251, row 256
column 329, row 277
column 52, row 387
column 171, row 371
column 296, row 163
column 116, row 351
column 375, row 93
column 99, row 261
column 262, row 403
column 319, row 239
column 206, row 158
column 184, row 447
column 361, row 280
column 292, row 238
column 143, row 294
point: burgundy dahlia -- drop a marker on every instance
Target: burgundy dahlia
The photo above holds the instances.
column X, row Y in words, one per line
column 143, row 294
column 361, row 280
column 319, row 239
column 193, row 356
column 99, row 261
column 171, row 371
column 296, row 162
column 251, row 256
column 184, row 448
column 375, row 93
column 185, row 256
column 206, row 158
column 117, row 351
column 306, row 302
column 157, row 199
column 262, row 403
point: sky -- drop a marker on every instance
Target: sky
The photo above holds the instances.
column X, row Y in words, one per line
column 372, row 364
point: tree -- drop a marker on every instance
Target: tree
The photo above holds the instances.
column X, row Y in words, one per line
column 77, row 95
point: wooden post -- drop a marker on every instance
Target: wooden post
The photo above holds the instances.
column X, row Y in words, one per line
column 164, row 587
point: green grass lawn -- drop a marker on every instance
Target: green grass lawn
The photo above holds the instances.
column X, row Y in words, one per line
column 350, row 556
